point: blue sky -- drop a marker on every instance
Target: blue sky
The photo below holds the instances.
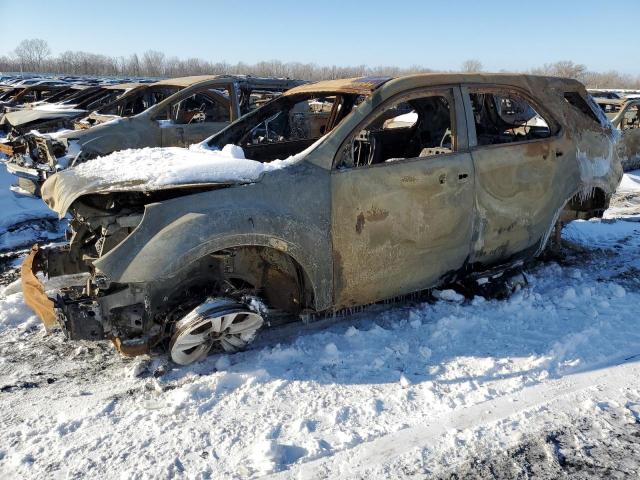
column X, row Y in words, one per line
column 441, row 35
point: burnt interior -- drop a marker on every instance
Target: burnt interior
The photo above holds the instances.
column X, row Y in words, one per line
column 506, row 117
column 208, row 105
column 287, row 125
column 415, row 128
column 138, row 101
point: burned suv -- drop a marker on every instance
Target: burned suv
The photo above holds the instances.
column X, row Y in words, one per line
column 336, row 194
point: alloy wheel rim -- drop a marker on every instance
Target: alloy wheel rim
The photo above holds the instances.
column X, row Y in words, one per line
column 216, row 323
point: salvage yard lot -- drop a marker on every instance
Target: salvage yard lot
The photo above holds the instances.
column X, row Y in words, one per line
column 546, row 381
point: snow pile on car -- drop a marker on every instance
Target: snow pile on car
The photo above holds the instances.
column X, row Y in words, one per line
column 158, row 167
column 150, row 169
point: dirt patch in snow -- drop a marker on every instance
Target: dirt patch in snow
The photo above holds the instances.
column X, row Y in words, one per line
column 604, row 445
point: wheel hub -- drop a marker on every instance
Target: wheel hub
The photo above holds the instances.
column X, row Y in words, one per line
column 218, row 322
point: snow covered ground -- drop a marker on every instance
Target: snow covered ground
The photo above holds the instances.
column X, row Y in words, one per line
column 24, row 220
column 546, row 382
column 626, row 203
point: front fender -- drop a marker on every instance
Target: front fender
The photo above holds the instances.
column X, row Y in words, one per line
column 288, row 211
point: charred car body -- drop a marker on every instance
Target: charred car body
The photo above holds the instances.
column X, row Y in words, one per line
column 60, row 95
column 175, row 112
column 17, row 97
column 625, row 116
column 61, row 111
column 390, row 186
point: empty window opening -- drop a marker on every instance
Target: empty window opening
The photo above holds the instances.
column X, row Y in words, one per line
column 286, row 125
column 609, row 107
column 577, row 101
column 138, row 101
column 206, row 106
column 252, row 99
column 414, row 128
column 506, row 117
column 630, row 118
column 291, row 129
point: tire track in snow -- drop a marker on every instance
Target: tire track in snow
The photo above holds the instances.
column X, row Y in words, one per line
column 559, row 395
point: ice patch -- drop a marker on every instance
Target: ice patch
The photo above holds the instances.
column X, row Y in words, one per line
column 448, row 296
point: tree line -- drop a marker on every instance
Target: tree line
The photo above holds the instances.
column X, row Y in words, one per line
column 34, row 56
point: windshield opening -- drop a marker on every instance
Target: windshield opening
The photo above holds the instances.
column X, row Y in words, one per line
column 138, row 101
column 286, row 125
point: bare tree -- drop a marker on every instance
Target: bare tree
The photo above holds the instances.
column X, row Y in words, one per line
column 153, row 63
column 34, row 55
column 134, row 66
column 564, row 68
column 31, row 53
column 471, row 66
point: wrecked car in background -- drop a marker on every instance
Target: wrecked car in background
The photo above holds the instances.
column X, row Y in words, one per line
column 175, row 112
column 55, row 97
column 60, row 113
column 335, row 194
column 600, row 94
column 625, row 116
column 16, row 97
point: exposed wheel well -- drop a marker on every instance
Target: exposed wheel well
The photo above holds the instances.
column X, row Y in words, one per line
column 584, row 207
column 273, row 276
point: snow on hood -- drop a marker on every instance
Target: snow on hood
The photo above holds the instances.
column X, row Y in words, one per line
column 150, row 169
column 57, row 107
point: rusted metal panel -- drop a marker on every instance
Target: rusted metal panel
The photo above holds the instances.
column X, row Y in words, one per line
column 519, row 190
column 212, row 221
column 400, row 226
column 33, row 291
column 359, row 85
column 131, row 349
column 7, row 149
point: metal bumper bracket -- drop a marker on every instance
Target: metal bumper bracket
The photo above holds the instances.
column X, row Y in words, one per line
column 33, row 291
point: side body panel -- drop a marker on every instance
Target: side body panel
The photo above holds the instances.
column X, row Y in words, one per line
column 289, row 210
column 514, row 199
column 522, row 187
column 399, row 228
